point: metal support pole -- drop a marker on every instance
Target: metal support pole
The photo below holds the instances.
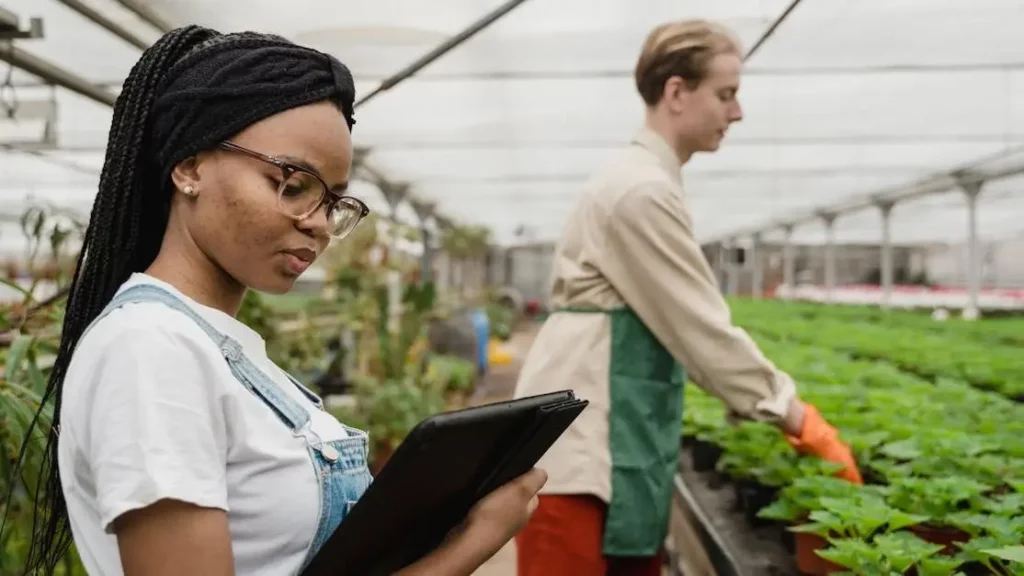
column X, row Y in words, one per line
column 427, row 259
column 107, row 24
column 440, row 50
column 830, row 255
column 146, row 14
column 788, row 259
column 886, row 264
column 54, row 75
column 972, row 188
column 720, row 263
column 732, row 270
column 756, row 269
column 424, row 212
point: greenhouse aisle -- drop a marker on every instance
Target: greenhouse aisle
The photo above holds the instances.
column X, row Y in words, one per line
column 500, row 381
column 498, row 385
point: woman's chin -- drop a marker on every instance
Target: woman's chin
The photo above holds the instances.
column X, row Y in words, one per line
column 281, row 282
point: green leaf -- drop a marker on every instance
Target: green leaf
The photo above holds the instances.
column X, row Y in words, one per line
column 782, row 510
column 902, row 450
column 938, row 566
column 18, row 351
column 903, row 549
column 1009, row 553
column 855, row 554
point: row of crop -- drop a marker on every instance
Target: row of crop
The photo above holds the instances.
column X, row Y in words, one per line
column 943, row 461
column 999, row 368
column 1005, row 331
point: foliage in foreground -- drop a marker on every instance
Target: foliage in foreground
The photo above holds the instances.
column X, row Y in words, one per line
column 940, row 457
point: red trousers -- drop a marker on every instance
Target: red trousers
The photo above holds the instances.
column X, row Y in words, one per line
column 563, row 538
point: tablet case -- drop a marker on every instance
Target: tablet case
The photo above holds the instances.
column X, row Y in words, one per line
column 446, row 464
column 548, row 425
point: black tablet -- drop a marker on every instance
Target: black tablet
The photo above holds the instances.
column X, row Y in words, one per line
column 445, row 465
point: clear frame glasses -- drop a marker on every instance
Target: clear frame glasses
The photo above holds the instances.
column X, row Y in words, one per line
column 302, row 192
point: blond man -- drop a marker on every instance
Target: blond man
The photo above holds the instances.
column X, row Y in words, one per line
column 637, row 310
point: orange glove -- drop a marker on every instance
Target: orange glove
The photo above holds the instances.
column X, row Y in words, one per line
column 820, row 438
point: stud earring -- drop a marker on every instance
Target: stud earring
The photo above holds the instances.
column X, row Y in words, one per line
column 189, row 190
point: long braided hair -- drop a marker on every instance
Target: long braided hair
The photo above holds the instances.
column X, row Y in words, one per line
column 190, row 90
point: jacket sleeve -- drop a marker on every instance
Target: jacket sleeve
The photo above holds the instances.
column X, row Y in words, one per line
column 651, row 258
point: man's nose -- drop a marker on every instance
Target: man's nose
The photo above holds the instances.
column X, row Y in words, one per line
column 736, row 114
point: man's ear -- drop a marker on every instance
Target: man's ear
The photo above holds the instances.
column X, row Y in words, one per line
column 674, row 93
column 186, row 173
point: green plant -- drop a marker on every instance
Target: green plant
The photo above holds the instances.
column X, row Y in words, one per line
column 394, row 347
column 889, row 553
column 29, row 340
column 451, row 373
column 501, row 320
column 392, row 407
column 944, row 458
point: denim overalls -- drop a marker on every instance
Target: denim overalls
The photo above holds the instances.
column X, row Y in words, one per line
column 340, row 465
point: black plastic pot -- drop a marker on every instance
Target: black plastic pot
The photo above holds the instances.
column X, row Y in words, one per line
column 788, row 540
column 974, row 568
column 685, row 441
column 705, row 455
column 872, row 476
column 753, row 496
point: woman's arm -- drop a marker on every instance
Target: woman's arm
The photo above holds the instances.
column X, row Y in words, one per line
column 170, row 538
column 149, row 425
column 490, row 525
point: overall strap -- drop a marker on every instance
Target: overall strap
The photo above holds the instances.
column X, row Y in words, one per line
column 255, row 380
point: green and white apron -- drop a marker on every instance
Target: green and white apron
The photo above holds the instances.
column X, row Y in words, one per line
column 646, row 409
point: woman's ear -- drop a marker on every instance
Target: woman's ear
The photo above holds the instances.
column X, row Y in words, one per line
column 185, row 176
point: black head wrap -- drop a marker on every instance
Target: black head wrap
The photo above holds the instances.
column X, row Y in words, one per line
column 232, row 81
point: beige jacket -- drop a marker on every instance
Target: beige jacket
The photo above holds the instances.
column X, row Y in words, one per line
column 630, row 241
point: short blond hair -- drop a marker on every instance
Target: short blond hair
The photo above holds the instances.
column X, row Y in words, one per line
column 684, row 49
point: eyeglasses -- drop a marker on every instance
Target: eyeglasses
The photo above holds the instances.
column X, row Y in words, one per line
column 302, row 191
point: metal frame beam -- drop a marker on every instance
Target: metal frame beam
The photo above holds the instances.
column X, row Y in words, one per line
column 440, row 50
column 602, row 74
column 107, row 24
column 771, row 30
column 733, row 141
column 11, row 29
column 146, row 14
column 937, row 183
column 56, row 75
column 425, row 60
column 724, row 173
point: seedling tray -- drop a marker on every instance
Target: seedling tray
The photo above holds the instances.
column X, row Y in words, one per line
column 735, row 548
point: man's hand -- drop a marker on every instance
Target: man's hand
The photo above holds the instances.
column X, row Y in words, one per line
column 816, row 436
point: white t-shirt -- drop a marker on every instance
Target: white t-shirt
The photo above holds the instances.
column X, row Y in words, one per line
column 150, row 410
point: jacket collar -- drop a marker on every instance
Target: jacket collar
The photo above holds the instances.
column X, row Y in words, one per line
column 653, row 143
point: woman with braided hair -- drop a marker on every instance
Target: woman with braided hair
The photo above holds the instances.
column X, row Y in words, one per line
column 178, row 447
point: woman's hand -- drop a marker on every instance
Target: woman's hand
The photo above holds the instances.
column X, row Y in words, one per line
column 504, row 512
column 495, row 520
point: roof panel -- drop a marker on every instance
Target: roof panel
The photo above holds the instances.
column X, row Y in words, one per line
column 902, row 33
column 505, row 128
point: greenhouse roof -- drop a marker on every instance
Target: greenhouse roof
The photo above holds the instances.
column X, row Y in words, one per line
column 844, row 101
